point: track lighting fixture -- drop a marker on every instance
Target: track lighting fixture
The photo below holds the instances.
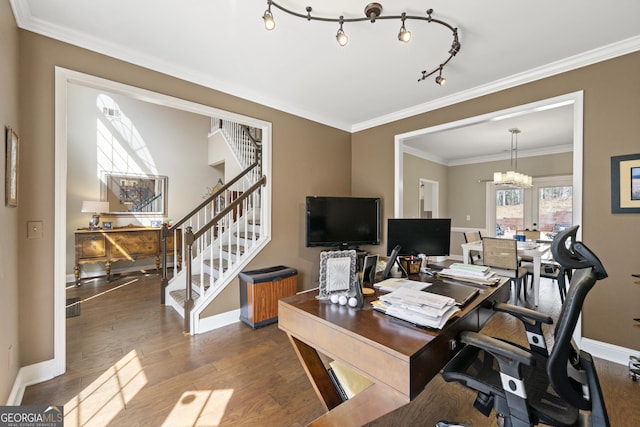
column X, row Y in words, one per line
column 372, row 12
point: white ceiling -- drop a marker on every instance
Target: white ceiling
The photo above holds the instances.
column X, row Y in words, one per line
column 299, row 67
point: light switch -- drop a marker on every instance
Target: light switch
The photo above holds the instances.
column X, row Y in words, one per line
column 34, row 230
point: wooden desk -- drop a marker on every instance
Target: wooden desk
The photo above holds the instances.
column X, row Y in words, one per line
column 535, row 253
column 398, row 357
column 120, row 244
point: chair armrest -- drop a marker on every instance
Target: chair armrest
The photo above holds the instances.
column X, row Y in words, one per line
column 532, row 321
column 499, row 349
column 524, row 314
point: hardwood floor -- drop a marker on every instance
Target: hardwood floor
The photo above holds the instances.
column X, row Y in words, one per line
column 128, row 364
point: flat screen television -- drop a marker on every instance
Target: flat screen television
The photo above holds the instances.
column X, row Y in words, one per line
column 431, row 237
column 342, row 222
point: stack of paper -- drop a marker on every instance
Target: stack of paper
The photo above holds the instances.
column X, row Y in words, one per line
column 470, row 272
column 420, row 308
column 390, row 285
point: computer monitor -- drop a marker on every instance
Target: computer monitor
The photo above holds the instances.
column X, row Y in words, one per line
column 428, row 236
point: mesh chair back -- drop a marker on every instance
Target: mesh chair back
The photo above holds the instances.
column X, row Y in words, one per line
column 571, row 254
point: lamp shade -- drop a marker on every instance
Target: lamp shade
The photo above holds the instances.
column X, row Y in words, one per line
column 94, row 206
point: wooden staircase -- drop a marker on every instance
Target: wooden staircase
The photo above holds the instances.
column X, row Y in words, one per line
column 220, row 236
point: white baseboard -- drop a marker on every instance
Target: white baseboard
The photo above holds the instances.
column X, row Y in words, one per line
column 29, row 375
column 218, row 321
column 609, row 352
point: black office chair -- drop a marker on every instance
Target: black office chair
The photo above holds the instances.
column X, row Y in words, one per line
column 528, row 386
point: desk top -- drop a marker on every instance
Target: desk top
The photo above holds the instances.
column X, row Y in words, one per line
column 384, row 349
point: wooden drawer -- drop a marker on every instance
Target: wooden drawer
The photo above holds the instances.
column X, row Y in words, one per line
column 90, row 246
column 133, row 244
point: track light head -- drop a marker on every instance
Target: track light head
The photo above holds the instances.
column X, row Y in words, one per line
column 404, row 35
column 269, row 23
column 341, row 36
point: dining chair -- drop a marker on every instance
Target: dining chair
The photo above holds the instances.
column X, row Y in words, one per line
column 532, row 235
column 475, row 257
column 501, row 255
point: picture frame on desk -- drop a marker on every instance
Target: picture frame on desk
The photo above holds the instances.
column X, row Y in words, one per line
column 625, row 184
column 338, row 273
column 107, row 225
column 156, row 224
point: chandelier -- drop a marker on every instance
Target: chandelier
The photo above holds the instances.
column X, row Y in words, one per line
column 513, row 178
column 372, row 12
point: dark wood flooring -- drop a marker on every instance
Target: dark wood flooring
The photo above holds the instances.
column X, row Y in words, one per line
column 128, row 364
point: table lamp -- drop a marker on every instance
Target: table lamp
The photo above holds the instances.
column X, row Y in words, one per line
column 96, row 208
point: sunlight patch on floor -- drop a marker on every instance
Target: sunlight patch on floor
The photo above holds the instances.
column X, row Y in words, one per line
column 199, row 408
column 105, row 397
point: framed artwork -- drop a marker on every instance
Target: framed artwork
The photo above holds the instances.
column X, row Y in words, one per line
column 134, row 194
column 11, row 171
column 625, row 184
column 338, row 273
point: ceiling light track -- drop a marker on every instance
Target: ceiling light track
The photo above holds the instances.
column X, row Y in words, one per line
column 372, row 13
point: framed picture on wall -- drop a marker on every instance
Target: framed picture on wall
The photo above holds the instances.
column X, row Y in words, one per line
column 625, row 184
column 11, row 171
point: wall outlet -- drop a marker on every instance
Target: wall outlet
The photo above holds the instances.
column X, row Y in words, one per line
column 468, row 217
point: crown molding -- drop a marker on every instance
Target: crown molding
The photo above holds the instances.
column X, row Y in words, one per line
column 567, row 64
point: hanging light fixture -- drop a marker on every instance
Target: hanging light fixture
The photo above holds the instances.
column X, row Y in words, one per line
column 513, row 178
column 372, row 12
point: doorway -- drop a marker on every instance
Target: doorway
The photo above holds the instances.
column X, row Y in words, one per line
column 428, row 198
column 64, row 78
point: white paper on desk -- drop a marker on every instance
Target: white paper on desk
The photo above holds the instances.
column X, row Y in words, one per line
column 390, row 285
column 414, row 297
column 419, row 319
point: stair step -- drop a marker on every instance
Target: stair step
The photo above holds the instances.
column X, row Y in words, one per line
column 254, row 222
column 247, row 235
column 195, row 280
column 216, row 263
column 180, row 296
column 234, row 249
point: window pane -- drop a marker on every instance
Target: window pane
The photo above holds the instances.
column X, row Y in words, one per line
column 509, row 211
column 555, row 209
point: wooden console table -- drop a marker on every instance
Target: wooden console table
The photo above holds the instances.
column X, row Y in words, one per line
column 120, row 244
column 399, row 358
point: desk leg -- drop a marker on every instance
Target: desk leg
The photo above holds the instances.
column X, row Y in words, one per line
column 536, row 280
column 76, row 274
column 317, row 374
column 107, row 269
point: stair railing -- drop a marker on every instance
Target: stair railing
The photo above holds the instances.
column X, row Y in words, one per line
column 196, row 218
column 192, row 238
column 246, row 147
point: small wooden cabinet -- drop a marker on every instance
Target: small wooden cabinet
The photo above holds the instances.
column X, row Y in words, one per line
column 260, row 291
column 120, row 244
